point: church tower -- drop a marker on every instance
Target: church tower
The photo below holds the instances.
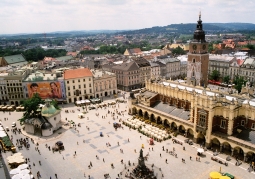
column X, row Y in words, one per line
column 198, row 58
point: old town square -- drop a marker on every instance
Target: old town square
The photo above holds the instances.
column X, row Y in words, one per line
column 89, row 155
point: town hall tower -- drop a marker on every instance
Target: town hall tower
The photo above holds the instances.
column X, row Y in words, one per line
column 198, row 58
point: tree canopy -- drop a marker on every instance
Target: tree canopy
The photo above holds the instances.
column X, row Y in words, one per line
column 226, row 79
column 215, row 75
column 178, row 51
column 239, row 81
column 31, row 106
column 34, row 54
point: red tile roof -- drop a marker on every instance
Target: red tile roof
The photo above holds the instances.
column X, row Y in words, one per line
column 48, row 59
column 74, row 54
column 240, row 62
column 77, row 73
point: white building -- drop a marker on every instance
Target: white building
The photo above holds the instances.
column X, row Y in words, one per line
column 45, row 124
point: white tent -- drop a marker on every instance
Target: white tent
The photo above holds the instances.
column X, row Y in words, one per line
column 23, row 166
column 14, row 171
column 2, row 134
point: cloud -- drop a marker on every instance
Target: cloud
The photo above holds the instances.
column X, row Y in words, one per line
column 28, row 16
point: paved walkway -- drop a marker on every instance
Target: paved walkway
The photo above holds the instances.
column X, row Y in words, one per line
column 69, row 166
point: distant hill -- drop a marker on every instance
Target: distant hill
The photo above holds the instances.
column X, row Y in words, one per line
column 172, row 28
column 190, row 27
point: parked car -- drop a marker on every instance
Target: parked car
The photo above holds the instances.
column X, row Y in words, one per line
column 14, row 124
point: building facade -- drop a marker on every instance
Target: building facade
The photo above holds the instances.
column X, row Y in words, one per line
column 172, row 67
column 105, row 83
column 128, row 76
column 221, row 63
column 247, row 70
column 78, row 84
column 145, row 70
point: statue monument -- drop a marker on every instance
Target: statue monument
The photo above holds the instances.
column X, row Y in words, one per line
column 141, row 171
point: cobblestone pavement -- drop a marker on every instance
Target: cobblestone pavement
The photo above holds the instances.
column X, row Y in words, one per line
column 88, row 144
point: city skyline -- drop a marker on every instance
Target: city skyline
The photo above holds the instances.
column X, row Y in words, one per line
column 41, row 16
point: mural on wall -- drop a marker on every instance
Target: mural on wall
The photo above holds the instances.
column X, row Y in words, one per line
column 53, row 89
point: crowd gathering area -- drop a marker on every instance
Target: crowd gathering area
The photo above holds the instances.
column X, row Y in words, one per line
column 105, row 141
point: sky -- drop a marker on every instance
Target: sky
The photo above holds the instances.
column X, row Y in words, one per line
column 39, row 16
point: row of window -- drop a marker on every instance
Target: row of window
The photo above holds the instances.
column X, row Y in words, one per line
column 223, row 124
column 79, row 86
column 16, row 96
column 14, row 84
column 79, row 80
column 78, row 92
column 19, row 89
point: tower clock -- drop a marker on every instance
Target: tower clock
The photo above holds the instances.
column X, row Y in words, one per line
column 198, row 57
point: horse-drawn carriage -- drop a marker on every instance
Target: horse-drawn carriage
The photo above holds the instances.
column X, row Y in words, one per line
column 116, row 125
column 58, row 146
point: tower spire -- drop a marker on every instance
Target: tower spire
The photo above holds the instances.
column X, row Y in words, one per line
column 199, row 15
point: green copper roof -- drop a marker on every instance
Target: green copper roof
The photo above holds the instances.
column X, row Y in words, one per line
column 48, row 109
column 15, row 59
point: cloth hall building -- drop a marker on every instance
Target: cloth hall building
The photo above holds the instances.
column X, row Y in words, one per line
column 218, row 120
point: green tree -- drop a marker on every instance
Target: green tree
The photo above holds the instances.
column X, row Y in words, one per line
column 178, row 51
column 239, row 81
column 251, row 47
column 31, row 105
column 215, row 75
column 226, row 79
column 210, row 47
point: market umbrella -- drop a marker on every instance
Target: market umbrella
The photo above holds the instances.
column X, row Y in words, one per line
column 200, row 150
column 2, row 134
column 23, row 166
column 17, row 176
column 215, row 175
column 27, row 176
column 24, row 172
column 14, row 171
column 224, row 177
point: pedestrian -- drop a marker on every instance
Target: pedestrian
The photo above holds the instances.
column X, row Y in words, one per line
column 166, row 160
column 140, row 137
column 190, row 157
column 63, row 158
column 56, row 175
column 74, row 152
column 77, row 143
column 90, row 164
column 160, row 154
column 152, row 148
column 103, row 159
